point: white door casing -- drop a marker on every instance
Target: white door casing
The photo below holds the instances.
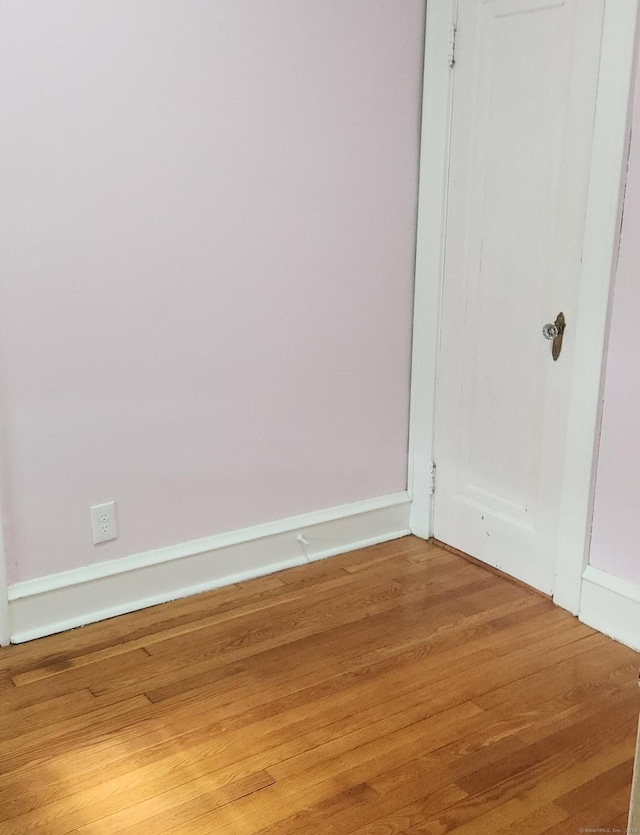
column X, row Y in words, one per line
column 544, row 52
column 432, row 193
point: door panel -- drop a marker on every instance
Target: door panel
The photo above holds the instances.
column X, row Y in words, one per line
column 523, row 108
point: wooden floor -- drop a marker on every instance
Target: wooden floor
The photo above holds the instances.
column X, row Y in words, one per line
column 398, row 689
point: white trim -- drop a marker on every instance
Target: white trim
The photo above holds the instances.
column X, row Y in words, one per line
column 85, row 595
column 602, row 231
column 611, row 605
column 434, row 166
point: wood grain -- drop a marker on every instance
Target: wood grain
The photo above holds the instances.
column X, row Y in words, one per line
column 396, row 689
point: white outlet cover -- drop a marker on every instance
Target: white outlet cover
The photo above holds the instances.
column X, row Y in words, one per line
column 104, row 524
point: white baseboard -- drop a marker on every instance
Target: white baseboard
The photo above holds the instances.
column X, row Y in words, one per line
column 85, row 595
column 611, row 605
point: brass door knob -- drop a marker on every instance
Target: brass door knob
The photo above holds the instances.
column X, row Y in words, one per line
column 555, row 331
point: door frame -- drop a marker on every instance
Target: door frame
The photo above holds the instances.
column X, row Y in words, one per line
column 602, row 232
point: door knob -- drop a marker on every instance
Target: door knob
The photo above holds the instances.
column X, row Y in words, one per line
column 554, row 331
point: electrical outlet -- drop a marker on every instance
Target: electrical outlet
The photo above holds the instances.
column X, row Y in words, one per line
column 103, row 522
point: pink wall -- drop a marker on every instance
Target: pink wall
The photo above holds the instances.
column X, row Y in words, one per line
column 206, row 264
column 615, row 545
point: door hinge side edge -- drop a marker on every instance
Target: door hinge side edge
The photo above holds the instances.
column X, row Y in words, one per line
column 432, row 473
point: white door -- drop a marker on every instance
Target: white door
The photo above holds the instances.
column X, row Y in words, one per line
column 524, row 95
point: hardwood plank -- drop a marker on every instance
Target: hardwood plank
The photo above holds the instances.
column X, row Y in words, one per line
column 399, row 688
column 321, row 651
column 177, row 806
column 577, row 704
column 535, row 823
column 74, row 679
column 419, row 817
column 596, row 791
column 482, row 565
column 525, row 790
column 589, row 735
column 121, row 633
column 539, row 686
column 110, row 797
column 349, row 817
column 143, row 783
column 37, row 746
column 602, row 815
